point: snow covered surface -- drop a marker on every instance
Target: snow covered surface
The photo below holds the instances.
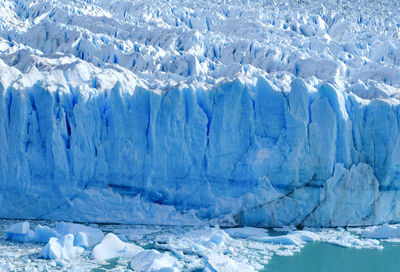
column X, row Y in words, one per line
column 177, row 248
column 184, row 113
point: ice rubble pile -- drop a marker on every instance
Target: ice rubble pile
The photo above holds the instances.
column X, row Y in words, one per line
column 165, row 43
column 180, row 248
column 67, row 241
column 177, row 248
column 84, row 236
column 382, row 232
column 174, row 112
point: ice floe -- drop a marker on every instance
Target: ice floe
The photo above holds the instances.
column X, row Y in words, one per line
column 61, row 249
column 154, row 261
column 385, row 231
column 20, row 232
column 85, row 236
column 172, row 248
column 111, row 246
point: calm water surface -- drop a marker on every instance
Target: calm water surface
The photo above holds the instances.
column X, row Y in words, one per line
column 322, row 257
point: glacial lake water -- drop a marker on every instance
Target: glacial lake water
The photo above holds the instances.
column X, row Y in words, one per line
column 323, row 257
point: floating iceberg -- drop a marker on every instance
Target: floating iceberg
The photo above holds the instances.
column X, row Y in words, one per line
column 111, row 246
column 246, row 232
column 177, row 248
column 20, row 232
column 306, row 236
column 43, row 234
column 85, row 236
column 296, row 238
column 154, row 261
column 382, row 232
column 61, row 249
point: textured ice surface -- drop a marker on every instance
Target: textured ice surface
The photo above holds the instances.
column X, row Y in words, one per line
column 20, row 232
column 246, row 232
column 382, row 232
column 154, row 261
column 296, row 238
column 43, row 234
column 85, row 236
column 180, row 112
column 61, row 249
column 173, row 248
column 111, row 246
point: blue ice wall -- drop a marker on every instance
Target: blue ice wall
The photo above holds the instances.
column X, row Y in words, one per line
column 234, row 154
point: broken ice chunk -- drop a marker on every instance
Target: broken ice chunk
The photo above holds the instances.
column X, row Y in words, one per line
column 61, row 249
column 111, row 246
column 43, row 234
column 85, row 236
column 19, row 232
column 154, row 261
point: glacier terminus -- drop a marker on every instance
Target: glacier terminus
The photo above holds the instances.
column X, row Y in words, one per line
column 256, row 113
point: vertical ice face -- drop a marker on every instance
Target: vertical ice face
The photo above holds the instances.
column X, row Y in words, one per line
column 178, row 112
column 243, row 153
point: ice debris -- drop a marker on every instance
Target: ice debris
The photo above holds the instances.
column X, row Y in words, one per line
column 385, row 231
column 154, row 261
column 61, row 249
column 43, row 234
column 20, row 232
column 177, row 248
column 111, row 246
column 85, row 236
column 246, row 232
column 341, row 237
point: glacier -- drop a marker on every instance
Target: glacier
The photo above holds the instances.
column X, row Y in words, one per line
column 163, row 113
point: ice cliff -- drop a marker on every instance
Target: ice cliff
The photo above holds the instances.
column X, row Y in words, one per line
column 174, row 112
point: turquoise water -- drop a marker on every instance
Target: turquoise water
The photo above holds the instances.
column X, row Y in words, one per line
column 112, row 263
column 322, row 257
